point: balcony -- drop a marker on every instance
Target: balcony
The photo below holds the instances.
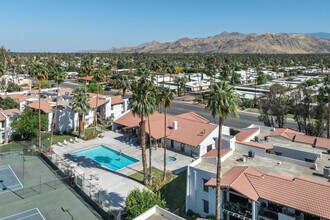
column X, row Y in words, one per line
column 237, row 210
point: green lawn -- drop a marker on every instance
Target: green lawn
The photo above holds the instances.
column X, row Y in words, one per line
column 174, row 192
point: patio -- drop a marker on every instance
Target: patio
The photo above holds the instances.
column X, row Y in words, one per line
column 116, row 184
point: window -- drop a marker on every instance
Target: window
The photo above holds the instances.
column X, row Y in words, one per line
column 112, row 107
column 206, row 206
column 206, row 188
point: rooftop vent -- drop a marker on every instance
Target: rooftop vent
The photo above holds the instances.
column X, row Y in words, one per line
column 174, row 125
column 326, row 172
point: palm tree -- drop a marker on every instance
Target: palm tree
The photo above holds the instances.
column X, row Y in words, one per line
column 222, row 101
column 326, row 82
column 166, row 98
column 59, row 77
column 142, row 104
column 146, row 77
column 80, row 104
column 183, row 81
column 124, row 82
column 98, row 76
column 41, row 74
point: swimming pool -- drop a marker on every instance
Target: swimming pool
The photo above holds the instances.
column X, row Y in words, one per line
column 106, row 157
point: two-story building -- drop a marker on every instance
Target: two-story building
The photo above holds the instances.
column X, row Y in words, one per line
column 264, row 177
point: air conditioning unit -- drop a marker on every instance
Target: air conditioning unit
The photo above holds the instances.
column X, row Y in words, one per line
column 326, row 172
column 251, row 154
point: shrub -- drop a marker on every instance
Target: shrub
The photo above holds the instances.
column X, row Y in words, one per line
column 139, row 201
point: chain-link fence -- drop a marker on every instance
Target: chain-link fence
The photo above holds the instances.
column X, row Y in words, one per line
column 87, row 184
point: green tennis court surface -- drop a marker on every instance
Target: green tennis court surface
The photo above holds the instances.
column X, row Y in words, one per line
column 43, row 189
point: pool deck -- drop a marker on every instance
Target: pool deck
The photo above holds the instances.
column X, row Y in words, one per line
column 117, row 184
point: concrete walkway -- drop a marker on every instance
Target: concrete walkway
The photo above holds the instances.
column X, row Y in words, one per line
column 117, row 184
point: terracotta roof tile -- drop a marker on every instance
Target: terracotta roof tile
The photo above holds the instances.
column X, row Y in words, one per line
column 100, row 102
column 11, row 111
column 305, row 139
column 2, row 117
column 245, row 134
column 86, row 78
column 45, row 106
column 17, row 98
column 322, row 143
column 115, row 100
column 302, row 193
column 256, row 144
column 193, row 116
column 285, row 132
column 212, row 182
column 190, row 132
column 299, row 193
column 214, row 152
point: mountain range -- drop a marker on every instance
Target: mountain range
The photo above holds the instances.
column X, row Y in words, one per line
column 267, row 43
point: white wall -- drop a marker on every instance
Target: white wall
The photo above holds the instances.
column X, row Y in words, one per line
column 195, row 193
column 209, row 140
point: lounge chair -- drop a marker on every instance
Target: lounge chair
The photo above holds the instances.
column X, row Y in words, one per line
column 76, row 139
column 71, row 140
column 65, row 142
column 59, row 144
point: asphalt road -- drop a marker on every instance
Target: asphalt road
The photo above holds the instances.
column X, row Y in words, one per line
column 245, row 119
column 179, row 107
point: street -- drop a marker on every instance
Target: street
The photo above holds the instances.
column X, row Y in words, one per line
column 245, row 119
column 179, row 107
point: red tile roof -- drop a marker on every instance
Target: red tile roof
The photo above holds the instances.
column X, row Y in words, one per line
column 45, row 105
column 115, row 100
column 189, row 132
column 285, row 132
column 100, row 102
column 301, row 193
column 322, row 143
column 214, row 152
column 11, row 111
column 86, row 78
column 17, row 98
column 305, row 139
column 66, row 90
column 256, row 144
column 2, row 117
column 245, row 134
column 193, row 116
column 212, row 182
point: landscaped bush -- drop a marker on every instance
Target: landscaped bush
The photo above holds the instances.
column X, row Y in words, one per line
column 139, row 201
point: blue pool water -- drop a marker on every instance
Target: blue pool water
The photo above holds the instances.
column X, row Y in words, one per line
column 170, row 159
column 107, row 157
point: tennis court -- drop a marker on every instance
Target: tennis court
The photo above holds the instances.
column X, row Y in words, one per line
column 8, row 179
column 32, row 214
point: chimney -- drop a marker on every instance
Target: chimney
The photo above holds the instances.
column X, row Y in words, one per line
column 174, row 125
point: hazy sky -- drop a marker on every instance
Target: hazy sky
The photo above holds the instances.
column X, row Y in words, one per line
column 72, row 25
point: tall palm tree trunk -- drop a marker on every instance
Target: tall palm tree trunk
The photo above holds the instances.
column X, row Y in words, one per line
column 219, row 174
column 165, row 126
column 81, row 126
column 150, row 152
column 54, row 118
column 143, row 147
column 95, row 114
column 39, row 117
